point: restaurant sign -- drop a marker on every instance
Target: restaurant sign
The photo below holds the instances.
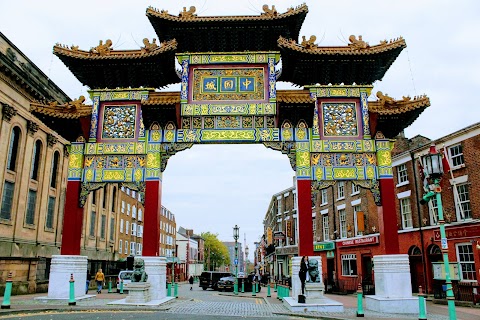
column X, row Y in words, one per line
column 358, row 241
column 458, row 232
column 323, row 246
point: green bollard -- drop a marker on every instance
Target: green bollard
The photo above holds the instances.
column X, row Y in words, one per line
column 253, row 290
column 175, row 290
column 71, row 301
column 422, row 310
column 279, row 292
column 121, row 286
column 360, row 301
column 169, row 290
column 110, row 285
column 275, row 287
column 243, row 286
column 8, row 292
column 268, row 291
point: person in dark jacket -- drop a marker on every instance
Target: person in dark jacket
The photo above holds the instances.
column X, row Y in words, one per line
column 303, row 272
column 190, row 280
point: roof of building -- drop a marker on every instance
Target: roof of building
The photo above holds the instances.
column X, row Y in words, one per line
column 227, row 33
column 102, row 67
column 307, row 63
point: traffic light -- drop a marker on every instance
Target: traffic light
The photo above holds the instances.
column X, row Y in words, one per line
column 427, row 197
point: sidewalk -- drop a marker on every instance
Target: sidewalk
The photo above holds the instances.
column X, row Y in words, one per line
column 32, row 303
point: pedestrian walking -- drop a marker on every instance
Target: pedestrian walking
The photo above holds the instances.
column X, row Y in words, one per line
column 100, row 278
column 190, row 280
column 88, row 282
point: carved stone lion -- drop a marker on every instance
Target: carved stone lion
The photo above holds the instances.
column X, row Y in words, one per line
column 313, row 270
column 139, row 274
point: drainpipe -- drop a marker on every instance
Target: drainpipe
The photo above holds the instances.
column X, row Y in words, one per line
column 419, row 207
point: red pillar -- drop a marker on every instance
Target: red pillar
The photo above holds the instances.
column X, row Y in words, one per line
column 387, row 218
column 153, row 207
column 304, row 213
column 72, row 220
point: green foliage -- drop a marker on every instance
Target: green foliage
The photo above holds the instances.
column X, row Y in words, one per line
column 216, row 253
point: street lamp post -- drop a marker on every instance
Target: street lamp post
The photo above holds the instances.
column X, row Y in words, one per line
column 235, row 236
column 434, row 172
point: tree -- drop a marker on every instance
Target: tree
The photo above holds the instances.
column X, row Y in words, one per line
column 216, row 253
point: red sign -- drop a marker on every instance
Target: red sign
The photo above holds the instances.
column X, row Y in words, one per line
column 462, row 232
column 358, row 241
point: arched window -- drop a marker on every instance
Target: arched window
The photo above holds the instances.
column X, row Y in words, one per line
column 414, row 251
column 37, row 152
column 13, row 149
column 53, row 177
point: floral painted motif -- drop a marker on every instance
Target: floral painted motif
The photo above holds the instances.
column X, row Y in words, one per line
column 119, row 122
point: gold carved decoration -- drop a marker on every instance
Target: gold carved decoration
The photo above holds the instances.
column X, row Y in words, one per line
column 149, row 46
column 309, row 43
column 269, row 12
column 357, row 44
column 188, row 14
column 102, row 49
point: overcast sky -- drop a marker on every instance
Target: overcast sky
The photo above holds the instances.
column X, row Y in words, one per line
column 213, row 187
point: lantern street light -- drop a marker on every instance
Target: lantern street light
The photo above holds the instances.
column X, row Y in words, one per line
column 434, row 172
column 236, row 230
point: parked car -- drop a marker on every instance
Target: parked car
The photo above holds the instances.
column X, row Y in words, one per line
column 209, row 279
column 125, row 276
column 226, row 283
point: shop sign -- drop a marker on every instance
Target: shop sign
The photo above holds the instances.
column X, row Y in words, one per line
column 358, row 241
column 324, row 246
column 288, row 250
column 458, row 233
column 330, row 254
column 439, row 271
column 289, row 228
column 269, row 235
column 279, row 235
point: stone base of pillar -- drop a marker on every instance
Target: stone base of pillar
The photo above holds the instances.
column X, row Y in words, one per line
column 156, row 269
column 60, row 270
column 138, row 292
column 314, row 290
column 392, row 286
column 319, row 305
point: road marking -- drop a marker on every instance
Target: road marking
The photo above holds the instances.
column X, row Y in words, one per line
column 258, row 301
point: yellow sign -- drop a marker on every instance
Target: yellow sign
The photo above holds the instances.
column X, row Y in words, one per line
column 269, row 235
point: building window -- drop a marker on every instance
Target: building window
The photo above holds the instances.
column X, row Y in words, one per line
column 53, row 176
column 32, row 201
column 126, row 227
column 7, row 200
column 139, row 248
column 133, row 193
column 93, row 218
column 37, row 152
column 128, row 209
column 355, row 189
column 140, row 214
column 123, row 206
column 402, row 173
column 120, row 249
column 126, row 247
column 13, row 149
column 326, row 229
column 349, row 264
column 456, row 156
column 112, row 228
column 134, row 229
column 406, row 211
column 132, row 248
column 343, row 223
column 324, row 196
column 50, row 213
column 358, row 220
column 134, row 212
column 467, row 262
column 279, row 206
column 114, row 198
column 464, row 198
column 121, row 225
column 340, row 190
column 103, row 226
column 314, row 227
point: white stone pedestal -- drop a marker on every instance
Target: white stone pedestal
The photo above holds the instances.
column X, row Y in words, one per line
column 393, row 288
column 156, row 269
column 61, row 268
column 315, row 301
column 138, row 292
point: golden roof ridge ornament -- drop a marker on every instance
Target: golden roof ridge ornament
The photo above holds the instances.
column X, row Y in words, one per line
column 102, row 49
column 188, row 14
column 387, row 105
column 269, row 12
column 149, row 46
column 357, row 44
column 309, row 43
